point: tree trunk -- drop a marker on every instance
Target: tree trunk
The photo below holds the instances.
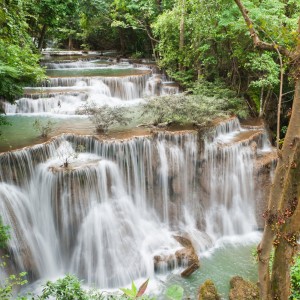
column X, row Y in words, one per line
column 282, row 224
column 42, row 37
column 282, row 191
column 287, row 234
column 70, row 43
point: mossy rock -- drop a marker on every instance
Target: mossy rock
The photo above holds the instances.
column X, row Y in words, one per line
column 241, row 289
column 208, row 291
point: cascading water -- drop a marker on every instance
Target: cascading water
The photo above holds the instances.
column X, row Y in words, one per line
column 120, row 202
column 105, row 212
column 64, row 94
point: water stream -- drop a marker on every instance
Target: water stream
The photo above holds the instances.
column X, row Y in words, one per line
column 120, row 202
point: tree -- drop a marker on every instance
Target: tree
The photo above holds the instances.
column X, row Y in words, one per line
column 139, row 16
column 19, row 64
column 47, row 15
column 282, row 224
column 104, row 116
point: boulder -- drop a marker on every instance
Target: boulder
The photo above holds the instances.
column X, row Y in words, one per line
column 184, row 257
column 187, row 256
column 208, row 291
column 241, row 289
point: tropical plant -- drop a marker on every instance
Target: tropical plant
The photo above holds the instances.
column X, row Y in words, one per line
column 135, row 293
column 8, row 284
column 174, row 292
column 67, row 288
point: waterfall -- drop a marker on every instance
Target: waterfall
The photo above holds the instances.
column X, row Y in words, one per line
column 119, row 203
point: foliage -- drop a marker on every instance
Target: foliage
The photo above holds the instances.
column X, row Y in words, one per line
column 217, row 45
column 104, row 116
column 295, row 279
column 4, row 234
column 184, row 108
column 174, row 292
column 44, row 129
column 18, row 62
column 218, row 89
column 6, row 287
column 135, row 293
column 67, row 288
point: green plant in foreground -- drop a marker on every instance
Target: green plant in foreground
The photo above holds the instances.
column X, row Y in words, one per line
column 295, row 279
column 8, row 284
column 174, row 292
column 67, row 288
column 135, row 293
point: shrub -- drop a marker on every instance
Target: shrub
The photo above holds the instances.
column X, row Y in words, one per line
column 104, row 116
column 43, row 128
column 67, row 288
column 184, row 108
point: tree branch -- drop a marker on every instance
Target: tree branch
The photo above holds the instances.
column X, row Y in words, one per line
column 255, row 38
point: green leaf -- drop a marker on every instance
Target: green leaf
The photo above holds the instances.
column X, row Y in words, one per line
column 142, row 288
column 175, row 292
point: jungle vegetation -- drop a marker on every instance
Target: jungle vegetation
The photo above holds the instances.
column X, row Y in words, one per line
column 251, row 47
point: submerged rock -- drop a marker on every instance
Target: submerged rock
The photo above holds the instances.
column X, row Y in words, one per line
column 208, row 291
column 241, row 289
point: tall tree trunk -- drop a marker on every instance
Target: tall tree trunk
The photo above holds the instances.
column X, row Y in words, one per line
column 282, row 192
column 42, row 37
column 282, row 224
column 70, row 43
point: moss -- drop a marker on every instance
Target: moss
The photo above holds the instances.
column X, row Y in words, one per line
column 208, row 291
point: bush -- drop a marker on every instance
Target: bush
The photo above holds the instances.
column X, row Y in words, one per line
column 67, row 288
column 234, row 104
column 104, row 116
column 184, row 108
column 43, row 128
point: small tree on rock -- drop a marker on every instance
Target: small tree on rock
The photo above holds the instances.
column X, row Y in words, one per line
column 104, row 116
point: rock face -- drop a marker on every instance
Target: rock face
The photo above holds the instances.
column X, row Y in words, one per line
column 241, row 289
column 208, row 291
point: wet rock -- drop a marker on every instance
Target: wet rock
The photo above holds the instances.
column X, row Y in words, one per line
column 190, row 270
column 164, row 262
column 208, row 291
column 241, row 289
column 184, row 257
column 187, row 256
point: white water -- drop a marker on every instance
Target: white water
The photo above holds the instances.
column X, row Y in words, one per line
column 65, row 95
column 120, row 204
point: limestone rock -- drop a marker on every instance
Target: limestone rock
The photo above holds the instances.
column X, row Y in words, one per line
column 190, row 270
column 187, row 255
column 208, row 291
column 241, row 289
